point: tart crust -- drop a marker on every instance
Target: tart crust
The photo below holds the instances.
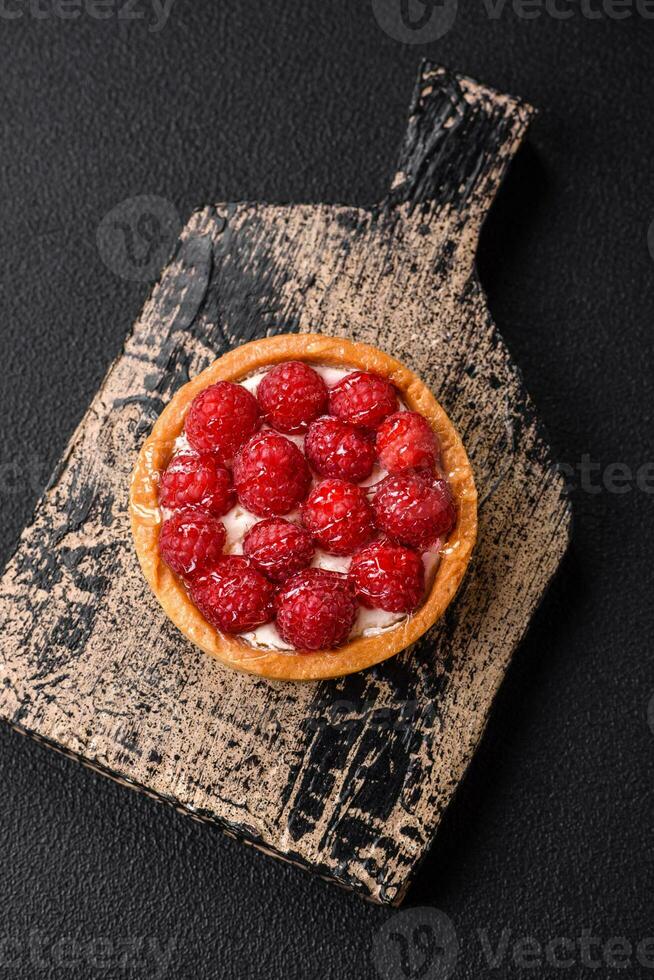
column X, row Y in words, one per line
column 363, row 651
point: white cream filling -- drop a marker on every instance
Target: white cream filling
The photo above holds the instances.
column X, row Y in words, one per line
column 238, row 521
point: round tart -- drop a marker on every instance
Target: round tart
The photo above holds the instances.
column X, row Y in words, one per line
column 303, row 508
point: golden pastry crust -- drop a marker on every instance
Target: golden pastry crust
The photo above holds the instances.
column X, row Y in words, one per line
column 363, row 651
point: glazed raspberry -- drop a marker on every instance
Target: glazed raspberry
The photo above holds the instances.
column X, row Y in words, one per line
column 414, row 510
column 221, row 418
column 316, row 609
column 233, row 596
column 338, row 516
column 291, row 396
column 363, row 399
column 336, row 448
column 190, row 540
column 278, row 548
column 271, row 475
column 388, row 576
column 197, row 481
column 406, row 441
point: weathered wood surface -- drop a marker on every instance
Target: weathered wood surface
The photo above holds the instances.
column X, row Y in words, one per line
column 348, row 777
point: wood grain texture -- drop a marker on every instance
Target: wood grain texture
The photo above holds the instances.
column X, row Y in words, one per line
column 350, row 777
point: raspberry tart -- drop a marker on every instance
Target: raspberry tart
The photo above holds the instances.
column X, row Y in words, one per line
column 304, row 508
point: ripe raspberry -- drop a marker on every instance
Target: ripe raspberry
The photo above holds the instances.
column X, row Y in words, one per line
column 363, row 399
column 406, row 441
column 336, row 448
column 388, row 576
column 271, row 475
column 190, row 540
column 233, row 596
column 278, row 548
column 414, row 510
column 338, row 516
column 221, row 418
column 316, row 609
column 291, row 396
column 197, row 481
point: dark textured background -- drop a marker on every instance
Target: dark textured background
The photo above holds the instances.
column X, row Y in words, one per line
column 551, row 832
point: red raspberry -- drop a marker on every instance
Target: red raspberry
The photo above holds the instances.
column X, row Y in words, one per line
column 278, row 548
column 363, row 399
column 406, row 441
column 316, row 609
column 388, row 576
column 233, row 596
column 271, row 475
column 291, row 396
column 336, row 448
column 221, row 418
column 413, row 510
column 190, row 540
column 339, row 517
column 197, row 481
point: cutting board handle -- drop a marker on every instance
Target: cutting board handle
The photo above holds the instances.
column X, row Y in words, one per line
column 459, row 141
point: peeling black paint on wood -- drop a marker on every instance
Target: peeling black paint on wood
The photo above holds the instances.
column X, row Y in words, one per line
column 350, row 777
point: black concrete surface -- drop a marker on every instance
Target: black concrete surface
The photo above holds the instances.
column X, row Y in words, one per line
column 550, row 836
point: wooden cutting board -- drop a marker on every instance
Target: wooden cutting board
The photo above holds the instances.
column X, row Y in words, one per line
column 349, row 778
